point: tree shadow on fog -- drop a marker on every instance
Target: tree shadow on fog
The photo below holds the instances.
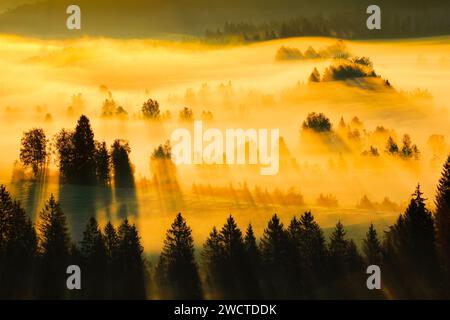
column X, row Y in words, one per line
column 165, row 180
column 126, row 202
column 82, row 202
column 124, row 184
column 31, row 193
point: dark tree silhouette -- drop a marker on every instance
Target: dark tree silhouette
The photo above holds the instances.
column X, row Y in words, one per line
column 279, row 262
column 131, row 263
column 102, row 164
column 150, row 109
column 93, row 250
column 411, row 252
column 33, row 152
column 212, row 257
column 310, row 242
column 112, row 255
column 177, row 271
column 235, row 268
column 186, row 114
column 391, row 146
column 372, row 247
column 65, row 151
column 345, row 265
column 55, row 245
column 18, row 249
column 251, row 265
column 315, row 76
column 317, row 122
column 442, row 214
column 123, row 169
column 84, row 153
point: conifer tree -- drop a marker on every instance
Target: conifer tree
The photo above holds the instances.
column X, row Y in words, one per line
column 212, row 258
column 123, row 169
column 18, row 249
column 315, row 76
column 345, row 264
column 252, row 265
column 372, row 247
column 250, row 245
column 84, row 153
column 410, row 249
column 234, row 267
column 93, row 250
column 65, row 151
column 278, row 262
column 177, row 270
column 442, row 215
column 338, row 249
column 112, row 267
column 131, row 264
column 55, row 245
column 102, row 164
column 313, row 251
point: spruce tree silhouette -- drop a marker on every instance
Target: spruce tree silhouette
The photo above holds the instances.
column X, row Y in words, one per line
column 372, row 247
column 442, row 215
column 278, row 263
column 102, row 164
column 55, row 245
column 131, row 264
column 64, row 153
column 234, row 270
column 313, row 250
column 411, row 252
column 112, row 257
column 84, row 153
column 252, row 265
column 93, row 250
column 212, row 258
column 123, row 169
column 343, row 254
column 177, row 271
column 18, row 249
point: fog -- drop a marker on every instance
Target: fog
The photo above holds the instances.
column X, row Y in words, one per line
column 50, row 83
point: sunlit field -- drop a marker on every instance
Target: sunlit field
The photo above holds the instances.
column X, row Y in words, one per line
column 50, row 83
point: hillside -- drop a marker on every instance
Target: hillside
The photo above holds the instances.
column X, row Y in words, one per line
column 142, row 18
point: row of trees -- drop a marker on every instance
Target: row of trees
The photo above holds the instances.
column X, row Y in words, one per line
column 151, row 110
column 293, row 261
column 320, row 123
column 33, row 260
column 80, row 158
column 346, row 68
column 348, row 24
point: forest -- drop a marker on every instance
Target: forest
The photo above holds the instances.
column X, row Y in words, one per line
column 88, row 169
column 226, row 21
column 291, row 260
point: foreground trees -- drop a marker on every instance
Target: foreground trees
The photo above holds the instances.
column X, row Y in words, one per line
column 442, row 215
column 410, row 247
column 34, row 265
column 177, row 272
column 55, row 247
column 18, row 249
column 287, row 262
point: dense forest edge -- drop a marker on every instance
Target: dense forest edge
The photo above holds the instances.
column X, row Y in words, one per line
column 219, row 22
